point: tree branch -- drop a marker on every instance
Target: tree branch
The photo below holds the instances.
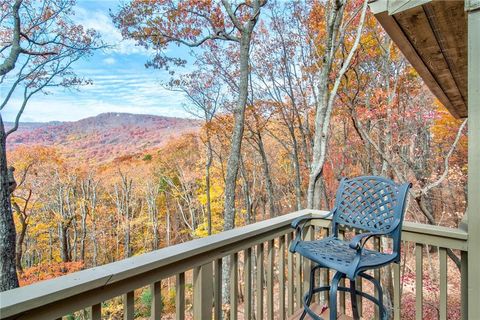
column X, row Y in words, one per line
column 434, row 184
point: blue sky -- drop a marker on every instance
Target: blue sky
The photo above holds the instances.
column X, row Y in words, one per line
column 121, row 83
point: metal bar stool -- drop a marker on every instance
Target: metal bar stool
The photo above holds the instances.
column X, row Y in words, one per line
column 369, row 203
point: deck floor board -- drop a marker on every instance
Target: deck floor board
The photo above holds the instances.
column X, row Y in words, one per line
column 317, row 309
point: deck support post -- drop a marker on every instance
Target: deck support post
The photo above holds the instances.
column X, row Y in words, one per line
column 473, row 13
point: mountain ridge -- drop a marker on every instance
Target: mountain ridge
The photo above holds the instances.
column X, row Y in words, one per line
column 103, row 137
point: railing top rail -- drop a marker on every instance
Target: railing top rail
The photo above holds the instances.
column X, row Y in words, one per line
column 439, row 231
column 452, row 238
column 26, row 298
column 414, row 227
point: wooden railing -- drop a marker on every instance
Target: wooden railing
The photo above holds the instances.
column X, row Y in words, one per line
column 273, row 279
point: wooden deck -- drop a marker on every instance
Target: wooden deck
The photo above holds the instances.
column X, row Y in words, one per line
column 317, row 309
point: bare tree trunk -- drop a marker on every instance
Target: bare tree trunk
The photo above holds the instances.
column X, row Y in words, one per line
column 83, row 236
column 207, row 182
column 298, row 177
column 323, row 108
column 63, row 237
column 123, row 200
column 73, row 243
column 235, row 149
column 23, row 217
column 50, row 245
column 9, row 279
column 328, row 92
column 19, row 245
column 267, row 176
column 237, row 135
column 246, row 193
column 152, row 193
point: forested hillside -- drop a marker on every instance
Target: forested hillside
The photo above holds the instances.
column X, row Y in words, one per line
column 103, row 137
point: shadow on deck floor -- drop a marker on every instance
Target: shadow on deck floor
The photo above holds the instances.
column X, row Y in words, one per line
column 317, row 309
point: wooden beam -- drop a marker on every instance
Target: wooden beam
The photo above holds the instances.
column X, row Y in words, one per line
column 406, row 19
column 473, row 210
column 396, row 6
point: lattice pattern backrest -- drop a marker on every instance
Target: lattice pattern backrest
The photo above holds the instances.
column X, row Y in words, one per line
column 368, row 203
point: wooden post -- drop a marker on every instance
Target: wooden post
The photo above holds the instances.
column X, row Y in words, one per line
column 247, row 257
column 97, row 312
column 203, row 292
column 290, row 286
column 442, row 254
column 128, row 305
column 281, row 278
column 464, row 285
column 473, row 13
column 217, row 290
column 377, row 275
column 156, row 289
column 180, row 297
column 259, row 283
column 270, row 272
column 396, row 291
column 233, row 286
column 418, row 281
column 307, row 264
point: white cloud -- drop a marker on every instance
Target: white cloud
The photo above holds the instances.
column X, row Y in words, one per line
column 102, row 23
column 109, row 60
column 52, row 109
column 133, row 93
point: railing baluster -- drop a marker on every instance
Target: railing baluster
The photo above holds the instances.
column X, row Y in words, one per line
column 325, row 281
column 281, row 279
column 464, row 284
column 290, row 287
column 270, row 256
column 180, row 297
column 202, row 292
column 396, row 291
column 247, row 256
column 234, row 286
column 298, row 281
column 376, row 274
column 128, row 305
column 217, row 291
column 307, row 265
column 359, row 287
column 156, row 289
column 341, row 294
column 418, row 281
column 259, row 284
column 442, row 254
column 97, row 312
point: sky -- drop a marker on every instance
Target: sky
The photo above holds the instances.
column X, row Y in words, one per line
column 121, row 82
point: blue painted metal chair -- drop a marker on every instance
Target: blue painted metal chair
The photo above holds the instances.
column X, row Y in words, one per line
column 372, row 204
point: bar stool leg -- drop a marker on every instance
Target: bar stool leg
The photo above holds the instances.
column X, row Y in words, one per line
column 308, row 299
column 333, row 295
column 353, row 300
